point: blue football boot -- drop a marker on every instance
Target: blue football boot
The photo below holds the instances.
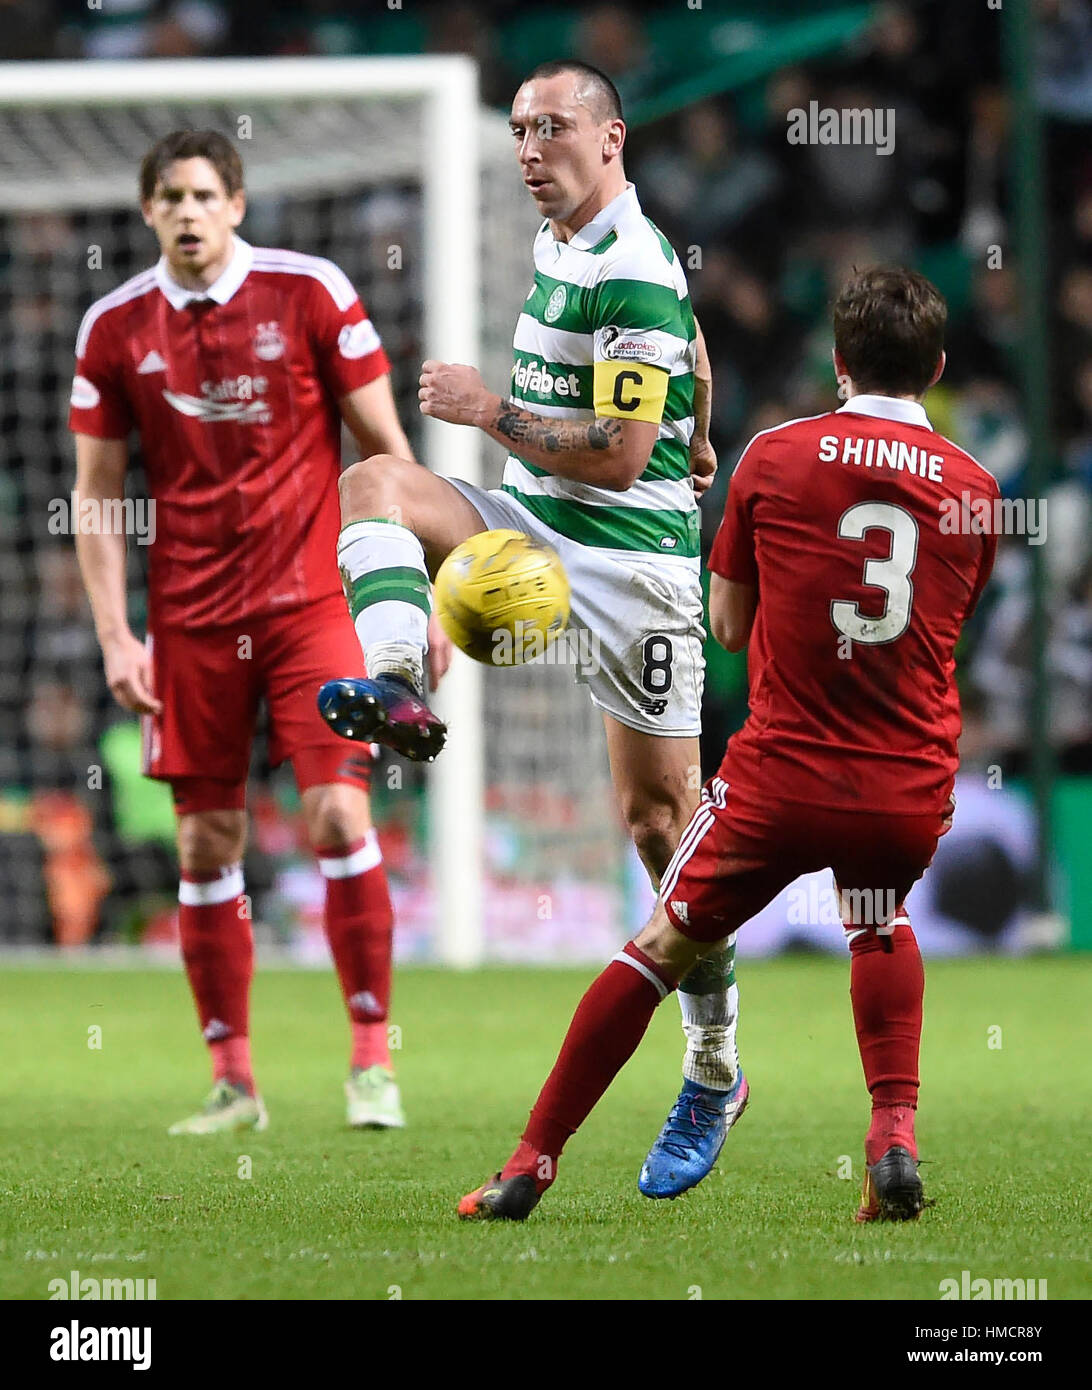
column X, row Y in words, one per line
column 383, row 709
column 692, row 1138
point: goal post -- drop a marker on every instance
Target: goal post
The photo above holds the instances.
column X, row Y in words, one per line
column 52, row 167
column 452, row 334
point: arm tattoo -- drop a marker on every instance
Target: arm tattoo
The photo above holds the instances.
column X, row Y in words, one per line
column 556, row 436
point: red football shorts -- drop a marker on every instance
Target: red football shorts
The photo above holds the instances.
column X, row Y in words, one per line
column 211, row 681
column 741, row 849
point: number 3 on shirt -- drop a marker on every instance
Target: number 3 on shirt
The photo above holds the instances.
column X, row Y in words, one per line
column 891, row 575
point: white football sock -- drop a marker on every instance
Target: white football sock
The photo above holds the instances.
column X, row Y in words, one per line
column 386, row 585
column 710, row 1016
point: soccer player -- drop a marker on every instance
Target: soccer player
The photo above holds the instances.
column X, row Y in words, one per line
column 606, row 424
column 839, row 560
column 236, row 366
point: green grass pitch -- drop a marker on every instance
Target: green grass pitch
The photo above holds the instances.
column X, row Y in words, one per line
column 91, row 1182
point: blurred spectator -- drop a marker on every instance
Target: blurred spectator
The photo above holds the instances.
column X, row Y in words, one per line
column 747, row 331
column 703, row 187
column 458, row 28
column 1064, row 58
column 983, row 224
column 188, row 29
column 62, row 642
column 1073, row 341
column 1000, row 671
column 613, row 38
column 116, row 28
column 852, row 184
column 1079, row 452
column 76, row 880
column 27, row 30
column 59, row 724
column 983, row 344
column 1070, row 660
column 1080, row 245
column 988, row 422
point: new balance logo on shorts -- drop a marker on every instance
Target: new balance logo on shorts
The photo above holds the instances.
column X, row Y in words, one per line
column 653, row 707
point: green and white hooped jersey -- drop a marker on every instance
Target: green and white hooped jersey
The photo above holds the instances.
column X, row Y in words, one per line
column 607, row 329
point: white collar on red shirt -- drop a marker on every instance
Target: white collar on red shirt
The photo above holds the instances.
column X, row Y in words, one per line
column 886, row 408
column 221, row 289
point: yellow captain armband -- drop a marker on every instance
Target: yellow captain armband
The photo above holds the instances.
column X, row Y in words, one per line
column 630, row 390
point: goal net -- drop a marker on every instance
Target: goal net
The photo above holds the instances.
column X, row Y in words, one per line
column 509, row 848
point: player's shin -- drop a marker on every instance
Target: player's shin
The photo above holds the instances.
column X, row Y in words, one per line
column 887, row 989
column 218, row 952
column 709, row 1002
column 359, row 926
column 386, row 584
column 606, row 1029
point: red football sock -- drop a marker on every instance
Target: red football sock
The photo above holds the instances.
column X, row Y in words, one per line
column 609, row 1022
column 370, row 1045
column 218, row 951
column 360, row 928
column 231, row 1061
column 887, row 991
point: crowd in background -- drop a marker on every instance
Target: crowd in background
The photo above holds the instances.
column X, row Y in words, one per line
column 768, row 231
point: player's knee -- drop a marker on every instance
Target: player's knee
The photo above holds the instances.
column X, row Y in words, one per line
column 374, row 487
column 210, row 840
column 337, row 816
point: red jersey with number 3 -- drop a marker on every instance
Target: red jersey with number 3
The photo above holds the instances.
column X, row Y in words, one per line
column 870, row 538
column 234, row 393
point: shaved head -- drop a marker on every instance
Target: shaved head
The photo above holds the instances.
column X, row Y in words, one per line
column 593, row 89
column 569, row 135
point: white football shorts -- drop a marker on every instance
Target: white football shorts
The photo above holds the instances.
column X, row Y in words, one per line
column 635, row 634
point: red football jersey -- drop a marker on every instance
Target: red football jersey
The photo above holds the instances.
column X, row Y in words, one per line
column 861, row 530
column 234, row 393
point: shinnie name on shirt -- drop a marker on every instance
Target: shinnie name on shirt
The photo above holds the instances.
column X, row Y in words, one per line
column 882, row 453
